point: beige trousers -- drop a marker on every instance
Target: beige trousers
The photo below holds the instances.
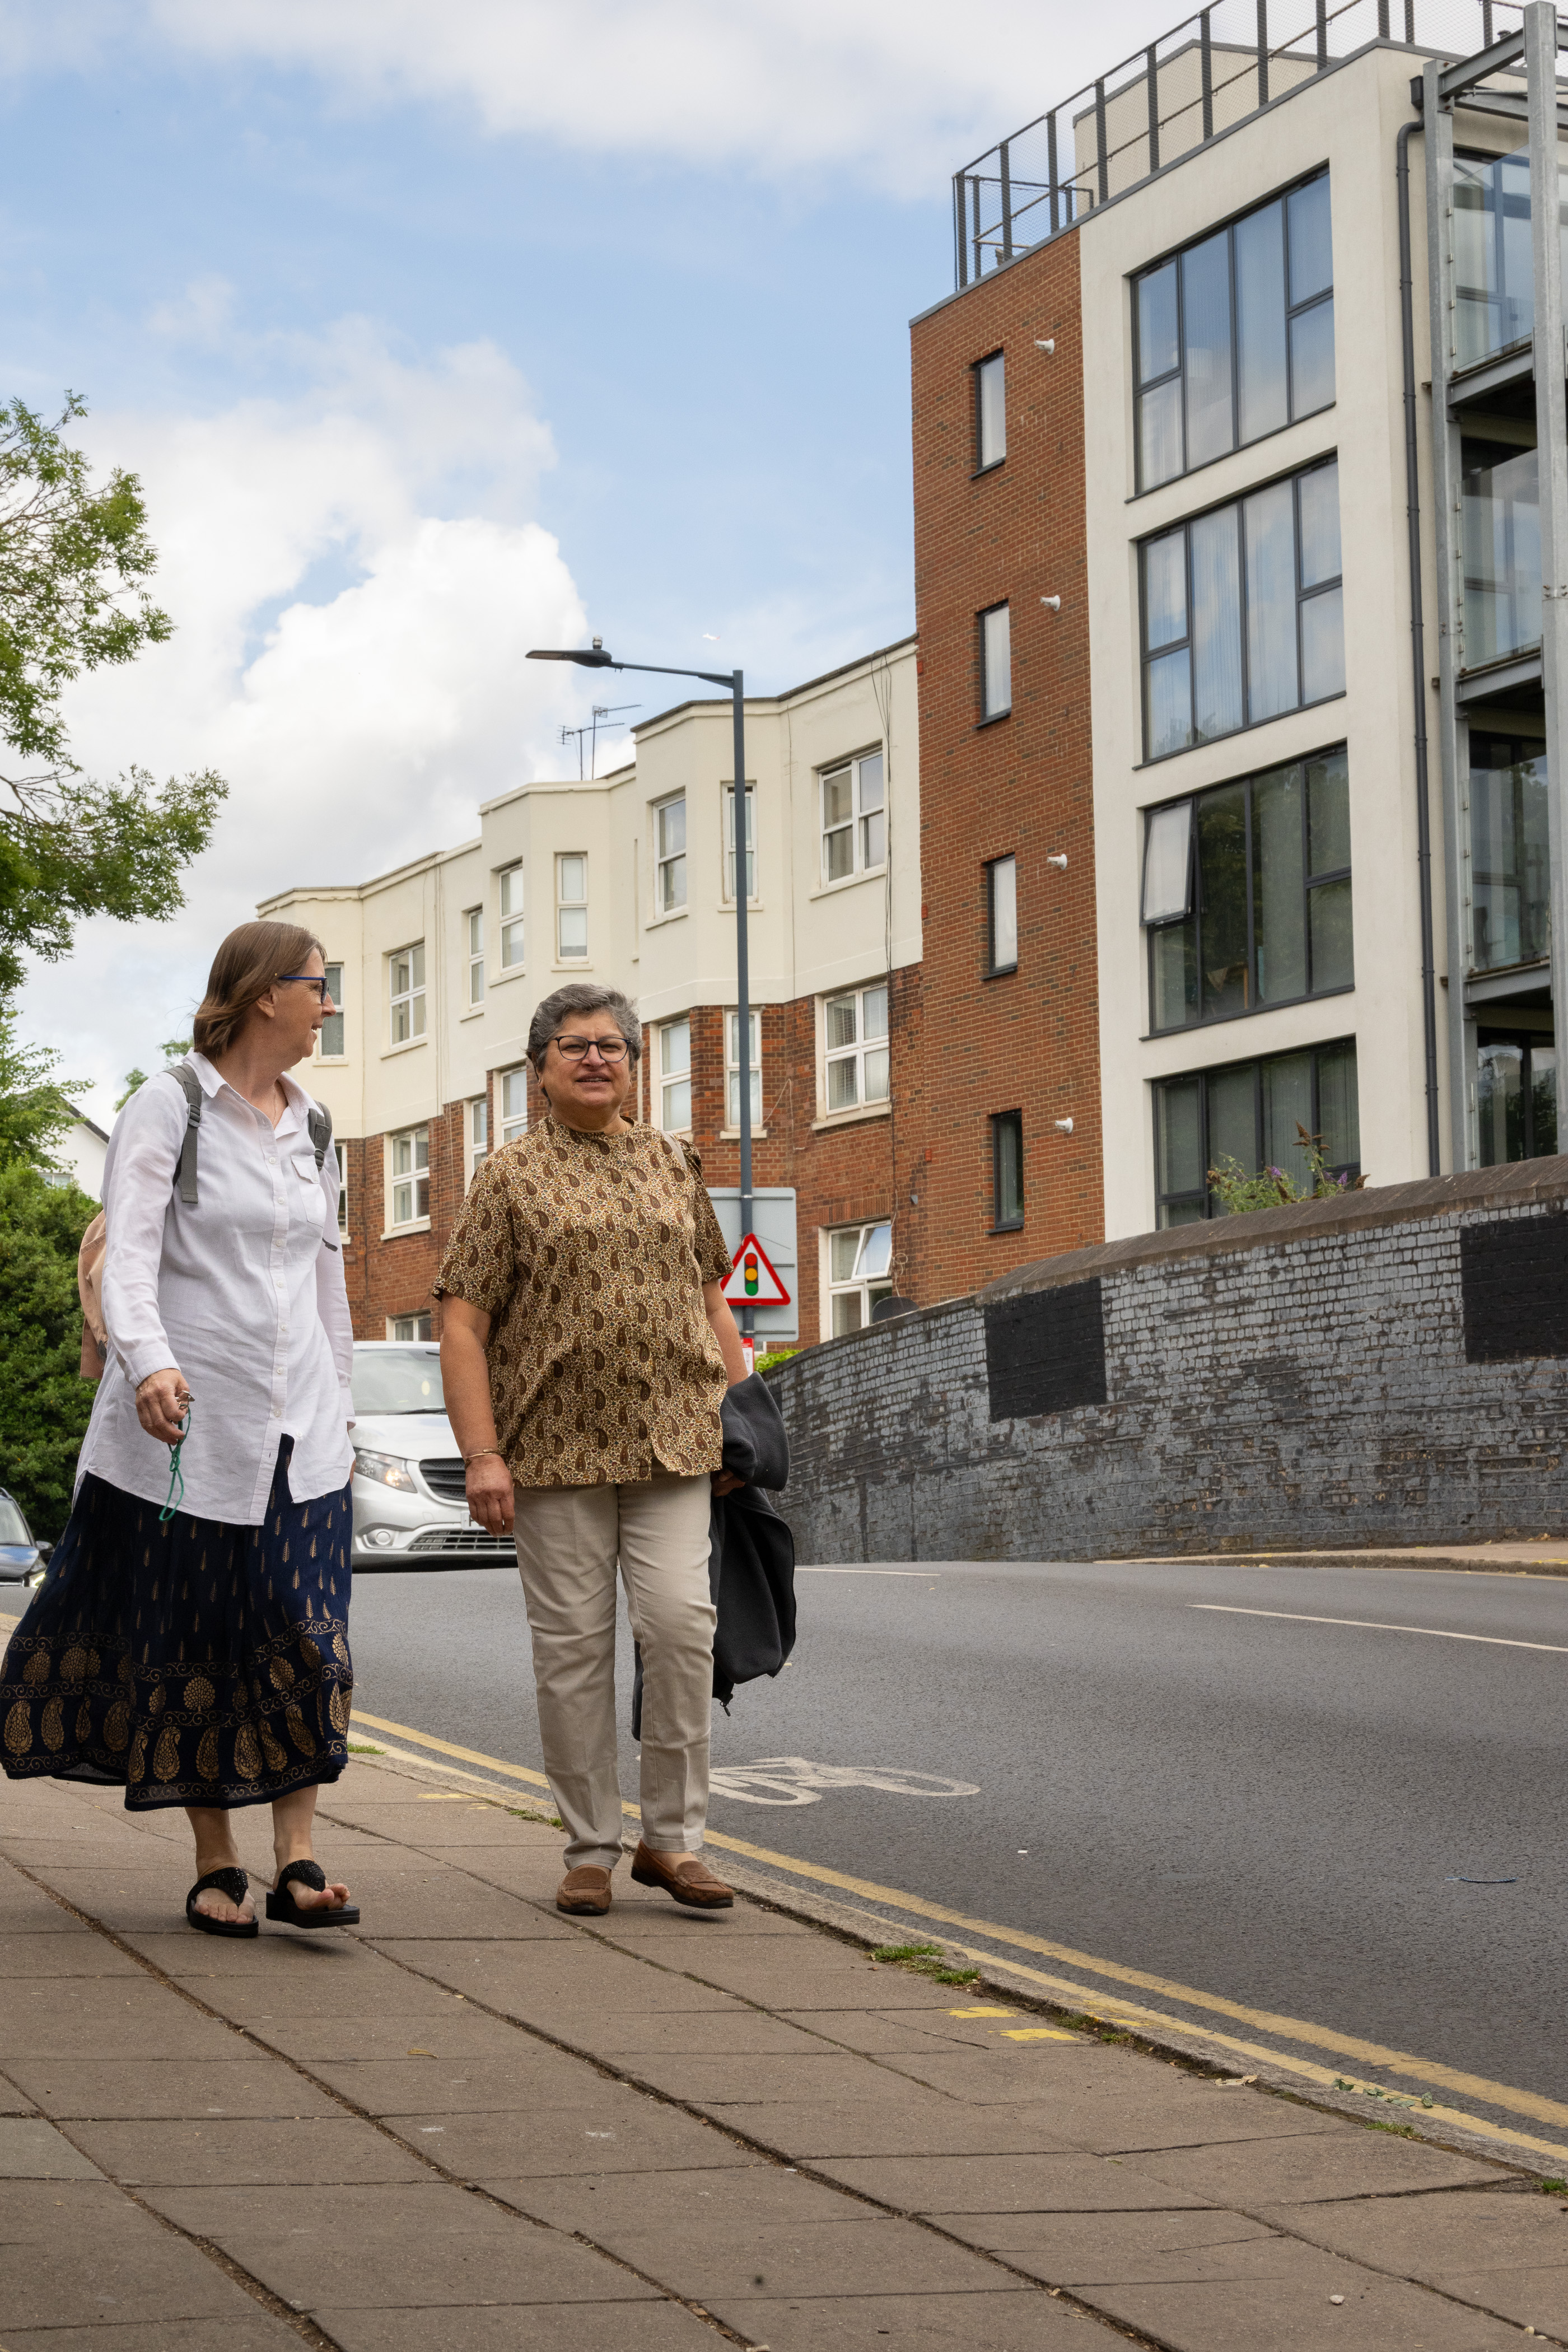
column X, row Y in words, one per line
column 568, row 1542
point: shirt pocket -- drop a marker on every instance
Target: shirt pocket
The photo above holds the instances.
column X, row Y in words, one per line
column 313, row 1201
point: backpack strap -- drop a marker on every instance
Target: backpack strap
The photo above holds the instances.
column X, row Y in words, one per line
column 190, row 1086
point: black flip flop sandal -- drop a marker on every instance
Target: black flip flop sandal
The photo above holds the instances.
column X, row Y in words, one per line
column 280, row 1903
column 236, row 1885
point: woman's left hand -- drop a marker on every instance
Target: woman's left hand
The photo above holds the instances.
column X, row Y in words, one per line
column 726, row 1480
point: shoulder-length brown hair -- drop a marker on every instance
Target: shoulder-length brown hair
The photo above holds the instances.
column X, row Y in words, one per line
column 244, row 969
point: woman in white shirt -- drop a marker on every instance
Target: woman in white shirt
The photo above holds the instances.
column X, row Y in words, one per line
column 190, row 1638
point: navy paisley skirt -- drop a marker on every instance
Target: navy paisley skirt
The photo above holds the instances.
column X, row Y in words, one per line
column 192, row 1663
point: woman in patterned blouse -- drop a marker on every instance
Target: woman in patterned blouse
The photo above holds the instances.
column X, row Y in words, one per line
column 585, row 1345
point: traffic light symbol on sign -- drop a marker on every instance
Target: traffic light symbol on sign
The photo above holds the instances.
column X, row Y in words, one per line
column 750, row 1281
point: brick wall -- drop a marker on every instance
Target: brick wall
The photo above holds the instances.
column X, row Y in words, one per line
column 1385, row 1369
column 1020, row 785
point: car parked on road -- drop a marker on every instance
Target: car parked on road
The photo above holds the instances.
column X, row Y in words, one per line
column 410, row 1509
column 22, row 1558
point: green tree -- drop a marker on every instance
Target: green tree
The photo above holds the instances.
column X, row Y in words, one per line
column 43, row 1401
column 172, row 1049
column 75, row 556
column 34, row 1111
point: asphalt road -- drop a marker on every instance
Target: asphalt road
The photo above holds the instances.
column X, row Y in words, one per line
column 1285, row 1813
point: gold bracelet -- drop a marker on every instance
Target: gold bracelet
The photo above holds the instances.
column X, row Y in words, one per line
column 478, row 1451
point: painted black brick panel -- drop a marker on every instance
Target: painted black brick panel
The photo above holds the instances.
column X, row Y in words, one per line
column 1045, row 1352
column 1515, row 1285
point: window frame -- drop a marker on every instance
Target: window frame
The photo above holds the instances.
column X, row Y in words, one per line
column 1317, row 1048
column 1289, row 314
column 1194, row 909
column 421, row 1316
column 666, row 1079
column 565, row 906
column 322, row 1054
column 511, row 1124
column 995, row 970
column 1527, row 1042
column 983, row 464
column 475, row 1136
column 986, row 717
column 474, row 918
column 859, row 818
column 1005, row 1125
column 855, row 1052
column 510, row 918
column 727, row 845
column 413, row 997
column 341, row 1154
column 731, row 1016
column 664, row 861
column 1303, row 597
column 856, row 1285
column 414, row 1176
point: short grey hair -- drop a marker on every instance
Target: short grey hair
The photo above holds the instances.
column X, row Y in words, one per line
column 581, row 996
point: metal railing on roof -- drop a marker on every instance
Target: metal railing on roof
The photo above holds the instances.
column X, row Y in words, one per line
column 1215, row 70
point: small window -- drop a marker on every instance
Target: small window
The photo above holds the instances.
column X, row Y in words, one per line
column 407, row 972
column 411, row 1177
column 670, row 856
column 475, row 919
column 854, row 818
column 479, row 1133
column 860, row 1263
column 571, row 909
column 513, row 1104
column 510, row 918
column 332, row 1046
column 1168, row 863
column 990, row 412
column 1250, row 1116
column 340, row 1152
column 751, row 842
column 1002, row 914
column 733, row 1067
column 675, row 1077
column 995, row 662
column 409, row 1327
column 1007, row 1172
column 855, row 1029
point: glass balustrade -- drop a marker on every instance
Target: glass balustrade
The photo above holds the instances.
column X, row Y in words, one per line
column 1510, row 873
column 1502, row 552
column 1494, row 294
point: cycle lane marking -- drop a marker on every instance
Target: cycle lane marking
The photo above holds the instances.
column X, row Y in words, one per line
column 1375, row 1625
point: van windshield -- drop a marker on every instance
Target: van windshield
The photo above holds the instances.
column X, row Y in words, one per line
column 13, row 1525
column 397, row 1379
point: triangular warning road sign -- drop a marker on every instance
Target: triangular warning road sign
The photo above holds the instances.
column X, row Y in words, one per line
column 750, row 1281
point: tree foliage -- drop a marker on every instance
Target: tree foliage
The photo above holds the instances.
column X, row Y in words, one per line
column 75, row 556
column 43, row 1401
column 35, row 1112
column 172, row 1049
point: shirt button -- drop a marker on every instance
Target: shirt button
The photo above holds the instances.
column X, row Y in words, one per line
column 277, row 1412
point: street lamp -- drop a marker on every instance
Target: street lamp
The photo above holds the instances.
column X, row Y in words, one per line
column 595, row 657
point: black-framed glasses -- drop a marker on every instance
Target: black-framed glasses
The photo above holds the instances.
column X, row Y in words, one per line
column 609, row 1049
column 308, row 980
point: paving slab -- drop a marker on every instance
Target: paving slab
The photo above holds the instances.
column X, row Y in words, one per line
column 753, row 1976
column 452, row 2030
column 251, row 2330
column 78, row 1953
column 641, row 2326
column 27, row 1910
column 93, row 2017
column 110, row 2089
column 1348, row 2161
column 1078, row 2250
column 857, row 2253
column 732, row 2029
column 922, row 2123
column 817, row 2079
column 32, row 2149
column 532, row 1982
column 1505, row 2250
column 393, row 2247
column 653, row 1918
column 1013, row 2320
column 619, row 2131
column 258, row 2152
column 77, row 2251
column 738, row 2196
column 990, row 2186
column 1017, row 2071
column 1536, row 2295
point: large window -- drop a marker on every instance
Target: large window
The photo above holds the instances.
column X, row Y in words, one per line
column 670, row 856
column 572, row 908
column 733, row 1067
column 405, row 973
column 332, row 1046
column 474, row 921
column 1002, row 915
column 1246, row 893
column 410, row 1176
column 513, row 1104
column 853, row 820
column 990, row 412
column 860, row 1259
column 512, row 941
column 675, row 1077
column 995, row 662
column 1516, row 1095
column 1251, row 1112
column 1006, row 1170
column 1242, row 613
column 855, row 1031
column 1234, row 337
column 751, row 842
column 1510, row 874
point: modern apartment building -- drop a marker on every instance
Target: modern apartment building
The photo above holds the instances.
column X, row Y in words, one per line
column 1230, row 568
column 630, row 880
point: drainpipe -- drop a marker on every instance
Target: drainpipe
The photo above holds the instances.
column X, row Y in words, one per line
column 1418, row 658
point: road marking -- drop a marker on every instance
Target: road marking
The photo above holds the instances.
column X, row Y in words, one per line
column 982, row 2012
column 1037, row 2033
column 1428, row 2073
column 866, row 1571
column 1371, row 1625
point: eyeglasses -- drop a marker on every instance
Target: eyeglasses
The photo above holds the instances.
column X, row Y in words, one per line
column 608, row 1049
column 308, row 980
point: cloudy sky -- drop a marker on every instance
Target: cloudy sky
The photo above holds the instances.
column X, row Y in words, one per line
column 438, row 331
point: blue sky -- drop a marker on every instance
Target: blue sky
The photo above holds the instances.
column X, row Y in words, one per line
column 434, row 331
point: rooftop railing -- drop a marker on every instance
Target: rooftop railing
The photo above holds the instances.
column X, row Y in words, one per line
column 1217, row 68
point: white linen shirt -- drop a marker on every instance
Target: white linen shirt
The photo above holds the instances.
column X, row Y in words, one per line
column 244, row 1292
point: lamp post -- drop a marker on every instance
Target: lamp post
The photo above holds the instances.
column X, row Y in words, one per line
column 595, row 657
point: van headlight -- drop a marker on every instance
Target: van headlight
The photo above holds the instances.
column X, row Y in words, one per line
column 387, row 1469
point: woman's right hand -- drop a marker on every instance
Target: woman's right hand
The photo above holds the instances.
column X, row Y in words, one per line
column 489, row 1485
column 161, row 1404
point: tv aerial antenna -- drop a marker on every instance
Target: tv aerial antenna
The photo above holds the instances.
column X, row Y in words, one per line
column 601, row 710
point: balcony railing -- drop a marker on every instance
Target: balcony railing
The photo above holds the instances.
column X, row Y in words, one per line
column 1212, row 71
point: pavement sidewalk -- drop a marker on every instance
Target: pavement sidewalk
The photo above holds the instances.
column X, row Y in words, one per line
column 474, row 2124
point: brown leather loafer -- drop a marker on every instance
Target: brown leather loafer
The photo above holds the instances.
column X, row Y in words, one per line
column 586, row 1888
column 685, row 1876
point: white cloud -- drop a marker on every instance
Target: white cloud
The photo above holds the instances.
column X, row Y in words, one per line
column 355, row 582
column 903, row 91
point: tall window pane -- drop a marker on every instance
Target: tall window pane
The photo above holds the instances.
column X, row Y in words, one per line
column 1157, row 349
column 1222, row 891
column 1167, row 862
column 1174, row 977
column 1260, row 322
column 1233, row 1118
column 1312, row 248
column 1216, row 626
column 990, row 411
column 995, row 662
column 1278, row 862
column 1178, row 1138
column 1269, row 523
column 1165, row 589
column 332, row 1046
column 1160, row 433
column 1320, row 495
column 1323, row 645
column 670, row 856
column 1287, row 1094
column 1008, row 1169
column 1329, row 921
column 1205, row 319
column 1170, row 713
column 1327, row 814
column 675, row 1077
column 1312, row 358
column 1502, row 552
column 1509, row 869
column 1002, row 891
column 510, row 918
column 1339, row 1114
